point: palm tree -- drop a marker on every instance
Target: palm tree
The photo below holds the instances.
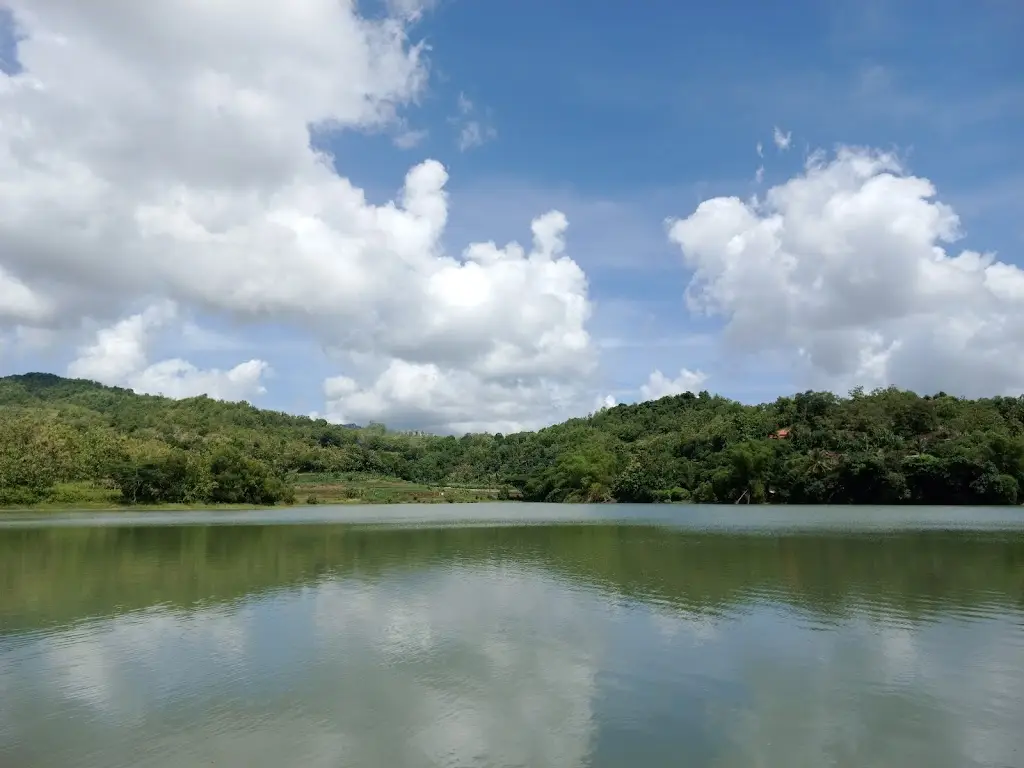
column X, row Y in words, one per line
column 750, row 464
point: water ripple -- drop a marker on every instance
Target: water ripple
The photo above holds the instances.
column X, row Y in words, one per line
column 625, row 643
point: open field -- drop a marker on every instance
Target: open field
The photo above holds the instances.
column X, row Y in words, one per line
column 327, row 488
column 353, row 488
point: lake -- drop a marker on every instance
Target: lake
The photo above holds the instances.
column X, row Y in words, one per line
column 514, row 635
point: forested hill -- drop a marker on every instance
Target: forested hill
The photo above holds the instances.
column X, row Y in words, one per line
column 889, row 446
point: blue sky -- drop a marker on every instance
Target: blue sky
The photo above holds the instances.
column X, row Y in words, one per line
column 623, row 116
column 653, row 111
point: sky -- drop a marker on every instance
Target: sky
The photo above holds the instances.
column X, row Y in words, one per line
column 470, row 215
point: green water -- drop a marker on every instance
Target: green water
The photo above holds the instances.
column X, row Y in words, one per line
column 461, row 636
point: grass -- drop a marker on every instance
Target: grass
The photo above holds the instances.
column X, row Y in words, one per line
column 309, row 489
column 365, row 489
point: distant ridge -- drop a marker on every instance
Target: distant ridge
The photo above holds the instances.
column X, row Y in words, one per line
column 883, row 447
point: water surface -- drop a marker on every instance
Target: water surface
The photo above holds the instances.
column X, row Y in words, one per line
column 593, row 636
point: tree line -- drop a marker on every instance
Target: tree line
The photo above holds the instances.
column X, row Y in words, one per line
column 884, row 447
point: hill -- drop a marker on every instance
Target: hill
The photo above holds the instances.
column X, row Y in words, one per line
column 68, row 441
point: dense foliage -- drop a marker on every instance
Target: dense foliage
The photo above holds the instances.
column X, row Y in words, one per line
column 888, row 446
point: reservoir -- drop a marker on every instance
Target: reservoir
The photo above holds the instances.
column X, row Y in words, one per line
column 514, row 635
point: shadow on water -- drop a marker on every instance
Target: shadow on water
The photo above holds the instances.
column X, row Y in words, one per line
column 53, row 576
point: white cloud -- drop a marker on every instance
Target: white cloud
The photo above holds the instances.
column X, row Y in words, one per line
column 782, row 140
column 19, row 303
column 197, row 338
column 760, row 149
column 120, row 350
column 408, row 139
column 408, row 395
column 689, row 340
column 519, row 378
column 659, row 385
column 473, row 132
column 759, row 174
column 179, row 378
column 118, row 356
column 188, row 175
column 845, row 269
column 410, row 10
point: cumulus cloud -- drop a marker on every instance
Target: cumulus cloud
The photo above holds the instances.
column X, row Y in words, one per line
column 848, row 271
column 179, row 378
column 659, row 385
column 118, row 357
column 513, row 384
column 425, row 396
column 188, row 175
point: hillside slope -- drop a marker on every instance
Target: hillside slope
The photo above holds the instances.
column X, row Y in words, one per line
column 60, row 436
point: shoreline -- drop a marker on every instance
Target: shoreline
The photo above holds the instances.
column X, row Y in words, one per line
column 213, row 507
column 309, row 491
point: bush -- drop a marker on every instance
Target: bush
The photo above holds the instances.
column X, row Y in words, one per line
column 177, row 477
column 238, row 479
